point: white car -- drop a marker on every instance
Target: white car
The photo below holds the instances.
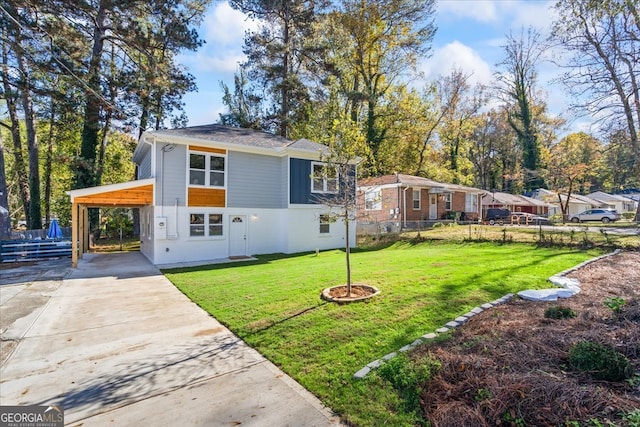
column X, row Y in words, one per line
column 604, row 215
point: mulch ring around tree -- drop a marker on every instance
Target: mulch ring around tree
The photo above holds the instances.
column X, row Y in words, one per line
column 359, row 292
column 509, row 365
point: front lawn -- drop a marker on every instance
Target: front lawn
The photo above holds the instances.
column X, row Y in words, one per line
column 273, row 304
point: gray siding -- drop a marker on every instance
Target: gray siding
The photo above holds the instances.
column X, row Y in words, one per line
column 254, row 181
column 144, row 168
column 171, row 182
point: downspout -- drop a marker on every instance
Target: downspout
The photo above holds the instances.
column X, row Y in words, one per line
column 404, row 209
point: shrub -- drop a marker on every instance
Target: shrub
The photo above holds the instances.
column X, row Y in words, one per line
column 559, row 312
column 615, row 304
column 601, row 361
column 408, row 377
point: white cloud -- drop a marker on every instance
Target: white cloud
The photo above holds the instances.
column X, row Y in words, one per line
column 537, row 14
column 480, row 10
column 453, row 56
column 227, row 26
column 223, row 32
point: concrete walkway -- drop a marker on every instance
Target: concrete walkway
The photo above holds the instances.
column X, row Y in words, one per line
column 116, row 343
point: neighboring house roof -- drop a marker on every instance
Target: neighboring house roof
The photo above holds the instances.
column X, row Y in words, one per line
column 498, row 198
column 413, row 181
column 218, row 134
column 552, row 197
column 605, row 197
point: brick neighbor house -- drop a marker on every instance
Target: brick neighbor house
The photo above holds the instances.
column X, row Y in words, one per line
column 405, row 201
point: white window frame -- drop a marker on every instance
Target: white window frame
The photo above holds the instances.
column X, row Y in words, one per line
column 414, row 199
column 447, row 201
column 207, row 169
column 326, row 181
column 373, row 200
column 471, row 203
column 324, row 224
column 206, row 225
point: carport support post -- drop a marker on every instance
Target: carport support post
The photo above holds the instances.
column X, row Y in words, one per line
column 74, row 235
column 85, row 235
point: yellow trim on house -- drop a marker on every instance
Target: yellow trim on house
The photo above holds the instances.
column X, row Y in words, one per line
column 207, row 149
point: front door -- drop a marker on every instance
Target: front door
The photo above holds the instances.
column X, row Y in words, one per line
column 433, row 206
column 237, row 235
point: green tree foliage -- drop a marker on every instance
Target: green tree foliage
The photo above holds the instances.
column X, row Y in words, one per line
column 572, row 164
column 371, row 47
column 517, row 80
column 93, row 67
column 277, row 57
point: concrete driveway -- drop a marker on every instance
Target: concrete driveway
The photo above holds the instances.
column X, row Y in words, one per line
column 116, row 343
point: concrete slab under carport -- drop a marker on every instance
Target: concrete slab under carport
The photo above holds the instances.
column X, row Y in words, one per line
column 118, row 343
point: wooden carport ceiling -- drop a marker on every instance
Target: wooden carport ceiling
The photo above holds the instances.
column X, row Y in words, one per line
column 129, row 194
column 132, row 198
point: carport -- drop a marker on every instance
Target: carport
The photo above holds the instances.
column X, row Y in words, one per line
column 132, row 194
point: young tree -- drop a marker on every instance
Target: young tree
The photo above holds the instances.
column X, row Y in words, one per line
column 344, row 142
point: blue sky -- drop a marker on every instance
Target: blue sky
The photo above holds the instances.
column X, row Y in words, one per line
column 470, row 35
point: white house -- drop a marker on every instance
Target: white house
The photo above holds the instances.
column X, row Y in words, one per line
column 615, row 201
column 213, row 192
column 577, row 203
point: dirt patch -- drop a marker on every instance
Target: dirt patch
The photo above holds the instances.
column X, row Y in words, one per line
column 341, row 295
column 510, row 365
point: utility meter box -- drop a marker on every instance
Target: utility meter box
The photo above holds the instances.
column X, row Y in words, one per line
column 161, row 228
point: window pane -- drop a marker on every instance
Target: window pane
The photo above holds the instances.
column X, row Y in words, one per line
column 217, row 163
column 215, row 230
column 318, row 184
column 196, row 177
column 197, row 230
column 317, row 171
column 324, row 224
column 197, row 219
column 215, row 219
column 196, row 161
column 332, row 185
column 216, row 179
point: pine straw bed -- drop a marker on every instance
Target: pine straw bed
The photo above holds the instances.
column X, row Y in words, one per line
column 509, row 365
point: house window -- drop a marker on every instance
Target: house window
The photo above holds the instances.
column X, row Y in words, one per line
column 416, row 199
column 215, row 224
column 201, row 225
column 373, row 200
column 325, row 222
column 206, row 169
column 447, row 201
column 471, row 203
column 324, row 179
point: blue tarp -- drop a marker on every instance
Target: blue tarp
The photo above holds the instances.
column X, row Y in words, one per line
column 55, row 232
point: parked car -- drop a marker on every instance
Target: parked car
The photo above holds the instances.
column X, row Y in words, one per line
column 497, row 215
column 604, row 215
column 529, row 218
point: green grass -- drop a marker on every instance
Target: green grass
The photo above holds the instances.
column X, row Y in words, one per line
column 274, row 305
